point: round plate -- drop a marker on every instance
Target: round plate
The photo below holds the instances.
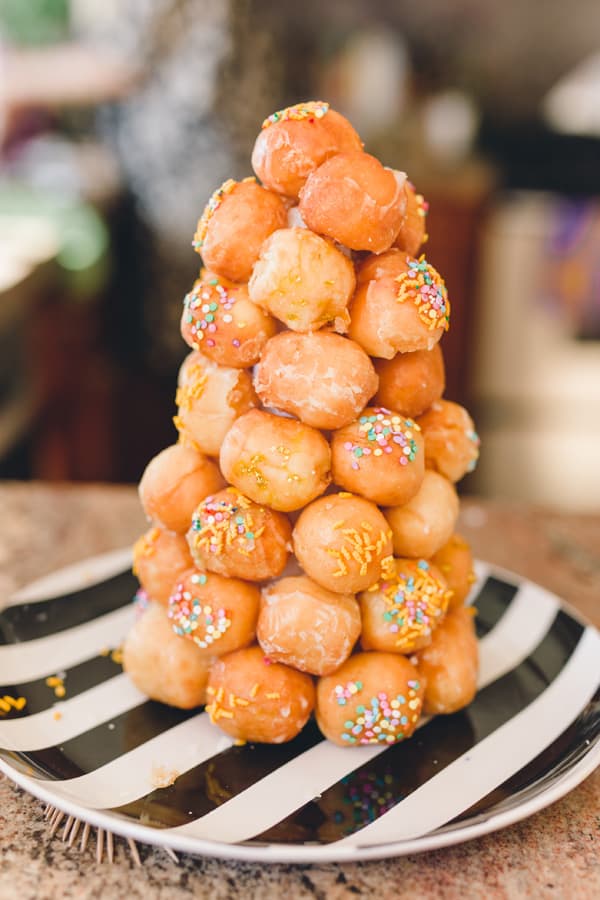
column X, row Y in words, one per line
column 75, row 732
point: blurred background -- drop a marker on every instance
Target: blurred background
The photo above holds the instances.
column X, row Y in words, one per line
column 119, row 118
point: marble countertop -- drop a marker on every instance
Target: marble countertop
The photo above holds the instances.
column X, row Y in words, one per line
column 553, row 854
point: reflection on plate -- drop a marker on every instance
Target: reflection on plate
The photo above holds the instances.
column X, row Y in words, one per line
column 75, row 732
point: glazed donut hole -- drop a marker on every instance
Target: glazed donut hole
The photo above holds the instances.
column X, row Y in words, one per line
column 400, row 614
column 399, row 313
column 306, row 626
column 174, row 483
column 162, row 665
column 379, row 456
column 373, row 698
column 342, row 542
column 275, row 460
column 354, row 200
column 451, row 442
column 413, row 231
column 221, row 322
column 450, row 664
column 159, row 558
column 411, row 382
column 254, row 699
column 209, row 399
column 374, row 266
column 424, row 524
column 455, row 562
column 322, row 378
column 235, row 537
column 293, row 142
column 303, row 280
column 236, row 220
column 218, row 614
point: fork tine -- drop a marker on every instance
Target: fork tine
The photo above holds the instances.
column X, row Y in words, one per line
column 171, row 854
column 56, row 822
column 85, row 836
column 74, row 832
column 110, row 847
column 67, row 828
column 134, row 852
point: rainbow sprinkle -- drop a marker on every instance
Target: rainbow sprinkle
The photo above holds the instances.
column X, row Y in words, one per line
column 211, row 208
column 313, row 109
column 381, row 719
column 220, row 524
column 415, row 602
column 424, row 286
column 190, row 615
column 381, row 433
column 204, row 305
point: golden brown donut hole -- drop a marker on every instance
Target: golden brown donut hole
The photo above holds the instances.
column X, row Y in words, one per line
column 306, row 626
column 342, row 542
column 303, row 280
column 174, row 483
column 400, row 613
column 159, row 558
column 373, row 698
column 379, row 456
column 233, row 536
column 275, row 460
column 322, row 378
column 425, row 523
column 455, row 562
column 451, row 442
column 411, row 382
column 353, row 199
column 450, row 664
column 254, row 699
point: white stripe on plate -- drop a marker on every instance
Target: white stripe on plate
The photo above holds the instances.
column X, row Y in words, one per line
column 75, row 577
column 280, row 793
column 495, row 758
column 143, row 769
column 34, row 659
column 100, row 704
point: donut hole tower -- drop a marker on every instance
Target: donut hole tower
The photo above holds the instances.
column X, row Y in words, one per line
column 302, row 556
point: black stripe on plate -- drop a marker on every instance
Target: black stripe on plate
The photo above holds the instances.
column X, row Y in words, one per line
column 104, row 743
column 373, row 789
column 40, row 696
column 491, row 603
column 29, row 621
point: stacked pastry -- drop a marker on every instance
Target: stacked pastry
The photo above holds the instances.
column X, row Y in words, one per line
column 302, row 556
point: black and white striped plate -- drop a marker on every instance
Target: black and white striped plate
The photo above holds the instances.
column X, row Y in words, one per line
column 99, row 752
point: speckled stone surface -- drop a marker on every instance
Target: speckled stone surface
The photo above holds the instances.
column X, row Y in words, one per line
column 553, row 854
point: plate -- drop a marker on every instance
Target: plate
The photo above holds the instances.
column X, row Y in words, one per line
column 77, row 734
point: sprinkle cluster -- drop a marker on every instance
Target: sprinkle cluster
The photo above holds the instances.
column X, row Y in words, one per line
column 414, row 601
column 202, row 305
column 211, row 208
column 189, row 615
column 314, row 109
column 424, row 286
column 144, row 546
column 381, row 433
column 379, row 720
column 358, row 544
column 224, row 523
column 369, row 796
column 217, row 709
column 140, row 601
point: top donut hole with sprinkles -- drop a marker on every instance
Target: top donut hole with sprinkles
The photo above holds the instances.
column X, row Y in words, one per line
column 311, row 111
column 380, row 434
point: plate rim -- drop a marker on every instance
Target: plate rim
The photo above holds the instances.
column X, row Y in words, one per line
column 309, row 853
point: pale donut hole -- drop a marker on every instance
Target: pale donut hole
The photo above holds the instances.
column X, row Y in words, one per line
column 287, row 151
column 218, row 614
column 233, row 536
column 411, row 382
column 163, row 666
column 322, row 378
column 342, row 541
column 159, row 558
column 306, row 626
column 353, row 199
column 253, row 699
column 174, row 483
column 243, row 219
column 373, row 698
column 455, row 562
column 425, row 523
column 220, row 321
column 413, row 231
column 400, row 614
column 303, row 280
column 380, row 456
column 451, row 442
column 450, row 664
column 277, row 461
column 209, row 400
